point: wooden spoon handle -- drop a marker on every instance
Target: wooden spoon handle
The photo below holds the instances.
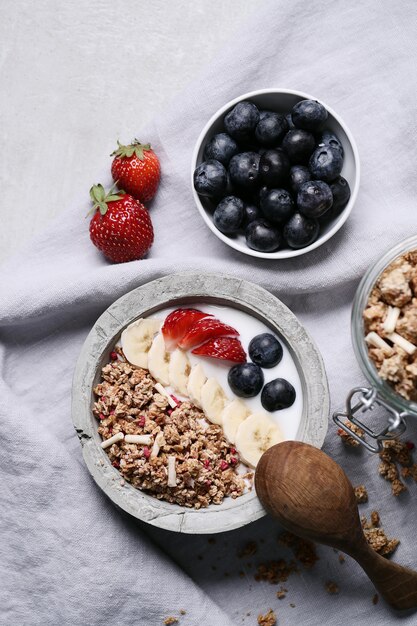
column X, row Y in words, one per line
column 396, row 584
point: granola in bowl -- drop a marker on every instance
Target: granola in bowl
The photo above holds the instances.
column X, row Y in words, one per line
column 390, row 321
column 174, row 454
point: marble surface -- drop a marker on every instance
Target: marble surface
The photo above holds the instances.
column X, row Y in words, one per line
column 77, row 76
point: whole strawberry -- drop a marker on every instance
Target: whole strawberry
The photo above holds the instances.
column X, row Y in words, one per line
column 136, row 169
column 120, row 227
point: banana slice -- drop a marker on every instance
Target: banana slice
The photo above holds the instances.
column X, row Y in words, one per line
column 158, row 360
column 232, row 416
column 196, row 380
column 213, row 400
column 254, row 436
column 179, row 371
column 136, row 340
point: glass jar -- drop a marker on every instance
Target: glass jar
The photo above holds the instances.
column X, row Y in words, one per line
column 379, row 393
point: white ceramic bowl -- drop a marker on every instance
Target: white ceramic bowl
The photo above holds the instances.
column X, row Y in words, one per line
column 282, row 101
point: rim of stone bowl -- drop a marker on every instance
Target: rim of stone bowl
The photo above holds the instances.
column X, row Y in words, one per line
column 180, row 289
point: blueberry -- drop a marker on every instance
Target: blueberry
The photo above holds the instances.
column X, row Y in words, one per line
column 261, row 236
column 251, row 213
column 274, row 167
column 270, row 129
column 221, row 147
column 309, row 114
column 299, row 174
column 330, row 139
column 246, row 380
column 314, row 198
column 265, row 350
column 326, row 163
column 300, row 231
column 277, row 394
column 229, row 214
column 299, row 145
column 244, row 169
column 290, row 123
column 241, row 121
column 341, row 193
column 277, row 205
column 210, row 179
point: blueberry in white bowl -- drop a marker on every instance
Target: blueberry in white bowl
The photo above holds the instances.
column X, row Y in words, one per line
column 326, row 163
column 246, row 380
column 222, row 147
column 265, row 350
column 341, row 193
column 229, row 215
column 299, row 144
column 314, row 198
column 278, row 394
column 331, row 139
column 309, row 115
column 277, row 205
column 244, row 169
column 299, row 174
column 289, row 121
column 241, row 121
column 274, row 167
column 261, row 236
column 252, row 212
column 300, row 231
column 270, row 129
column 210, row 179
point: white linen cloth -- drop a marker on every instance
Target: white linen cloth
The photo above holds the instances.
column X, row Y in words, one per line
column 66, row 555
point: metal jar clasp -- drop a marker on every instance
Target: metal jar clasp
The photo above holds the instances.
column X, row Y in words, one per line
column 362, row 400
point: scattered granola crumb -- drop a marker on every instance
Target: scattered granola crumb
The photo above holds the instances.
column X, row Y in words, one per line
column 248, row 549
column 281, row 593
column 375, row 599
column 393, row 454
column 348, row 439
column 361, row 494
column 269, row 619
column 376, row 537
column 341, row 558
column 292, row 605
column 170, row 620
column 303, row 549
column 275, row 571
column 331, row 587
column 375, row 520
column 183, row 612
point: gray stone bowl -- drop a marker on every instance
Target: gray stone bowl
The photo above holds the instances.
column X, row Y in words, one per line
column 181, row 289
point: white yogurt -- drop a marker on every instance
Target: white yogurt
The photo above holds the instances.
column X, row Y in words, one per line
column 248, row 327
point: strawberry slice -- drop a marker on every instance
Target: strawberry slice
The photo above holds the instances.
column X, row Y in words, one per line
column 178, row 323
column 204, row 329
column 225, row 348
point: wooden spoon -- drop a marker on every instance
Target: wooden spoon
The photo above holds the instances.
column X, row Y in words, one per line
column 311, row 496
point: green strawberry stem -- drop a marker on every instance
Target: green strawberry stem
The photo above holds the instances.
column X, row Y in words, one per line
column 100, row 198
column 135, row 147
